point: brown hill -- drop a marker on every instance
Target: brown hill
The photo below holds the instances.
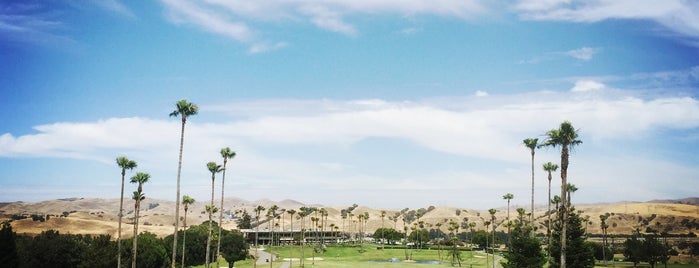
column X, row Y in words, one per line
column 99, row 216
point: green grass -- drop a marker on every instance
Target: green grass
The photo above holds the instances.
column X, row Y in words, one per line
column 350, row 256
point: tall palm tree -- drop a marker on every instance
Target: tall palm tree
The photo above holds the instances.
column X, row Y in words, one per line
column 186, row 201
column 532, row 143
column 549, row 167
column 508, row 197
column 492, row 212
column 183, row 109
column 213, row 168
column 566, row 136
column 138, row 196
column 257, row 210
column 383, row 243
column 226, row 153
column 571, row 189
column 124, row 163
column 603, row 225
column 291, row 221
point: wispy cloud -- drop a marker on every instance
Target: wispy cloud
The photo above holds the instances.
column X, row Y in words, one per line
column 239, row 19
column 583, row 53
column 676, row 15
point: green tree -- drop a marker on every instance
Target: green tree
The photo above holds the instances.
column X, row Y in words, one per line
column 153, row 253
column 233, row 247
column 8, row 247
column 186, row 201
column 226, row 153
column 633, row 250
column 51, row 249
column 124, row 163
column 532, row 143
column 524, row 249
column 184, row 109
column 213, row 168
column 566, row 137
column 98, row 251
column 549, row 167
column 245, row 220
column 138, row 196
column 654, row 251
column 580, row 253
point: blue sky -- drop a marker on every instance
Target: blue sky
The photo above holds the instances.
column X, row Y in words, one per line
column 382, row 103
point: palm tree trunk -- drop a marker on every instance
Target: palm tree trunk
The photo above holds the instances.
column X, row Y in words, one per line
column 548, row 225
column 208, row 239
column 184, row 235
column 134, row 249
column 564, row 207
column 121, row 215
column 220, row 215
column 177, row 199
column 531, row 217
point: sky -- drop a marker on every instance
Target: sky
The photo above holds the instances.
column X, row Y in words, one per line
column 381, row 103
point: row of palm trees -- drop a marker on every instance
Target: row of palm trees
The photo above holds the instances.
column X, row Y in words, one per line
column 183, row 110
column 565, row 137
column 140, row 178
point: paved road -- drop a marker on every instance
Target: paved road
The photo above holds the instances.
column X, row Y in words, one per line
column 264, row 257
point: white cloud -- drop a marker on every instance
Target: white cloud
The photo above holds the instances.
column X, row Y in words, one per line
column 584, row 53
column 481, row 93
column 587, row 85
column 233, row 19
column 677, row 15
column 272, row 132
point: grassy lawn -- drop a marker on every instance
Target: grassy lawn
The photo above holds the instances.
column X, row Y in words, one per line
column 373, row 257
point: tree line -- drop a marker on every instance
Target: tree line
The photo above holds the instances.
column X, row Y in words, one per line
column 56, row 250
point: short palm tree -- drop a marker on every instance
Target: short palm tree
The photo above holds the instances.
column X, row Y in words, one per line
column 549, row 167
column 213, row 168
column 183, row 109
column 186, row 201
column 138, row 196
column 124, row 163
column 566, row 136
column 226, row 153
column 532, row 143
column 571, row 189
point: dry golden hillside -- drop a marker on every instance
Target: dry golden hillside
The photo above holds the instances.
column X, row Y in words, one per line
column 99, row 216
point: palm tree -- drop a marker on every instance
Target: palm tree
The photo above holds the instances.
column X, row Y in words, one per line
column 571, row 189
column 531, row 143
column 124, row 163
column 487, row 259
column 291, row 221
column 383, row 243
column 508, row 197
column 566, row 136
column 603, row 225
column 183, row 109
column 549, row 167
column 213, row 168
column 186, row 201
column 492, row 218
column 226, row 153
column 257, row 210
column 138, row 196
